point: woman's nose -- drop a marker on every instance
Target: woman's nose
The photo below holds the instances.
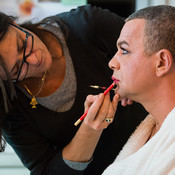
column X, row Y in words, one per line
column 32, row 59
column 113, row 63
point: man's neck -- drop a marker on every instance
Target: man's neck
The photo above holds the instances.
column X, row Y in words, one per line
column 161, row 103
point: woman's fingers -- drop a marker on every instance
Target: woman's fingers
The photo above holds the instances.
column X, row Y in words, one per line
column 94, row 108
column 129, row 102
column 89, row 100
column 111, row 111
column 125, row 102
column 101, row 110
column 115, row 102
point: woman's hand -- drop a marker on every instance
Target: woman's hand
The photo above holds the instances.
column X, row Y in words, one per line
column 82, row 146
column 125, row 102
column 101, row 110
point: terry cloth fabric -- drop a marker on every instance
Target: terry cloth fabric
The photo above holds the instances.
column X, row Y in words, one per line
column 139, row 157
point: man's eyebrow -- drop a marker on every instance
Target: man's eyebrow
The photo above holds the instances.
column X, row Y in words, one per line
column 120, row 43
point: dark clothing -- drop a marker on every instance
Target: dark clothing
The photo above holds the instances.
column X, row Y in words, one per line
column 38, row 135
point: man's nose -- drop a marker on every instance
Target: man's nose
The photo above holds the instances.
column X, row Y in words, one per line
column 113, row 63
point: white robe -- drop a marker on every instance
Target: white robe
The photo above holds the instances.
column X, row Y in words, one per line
column 156, row 157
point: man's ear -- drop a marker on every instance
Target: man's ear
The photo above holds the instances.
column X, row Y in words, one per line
column 164, row 61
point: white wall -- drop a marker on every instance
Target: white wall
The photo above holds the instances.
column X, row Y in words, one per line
column 40, row 9
column 145, row 3
column 10, row 163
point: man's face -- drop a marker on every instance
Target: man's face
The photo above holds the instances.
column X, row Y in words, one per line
column 133, row 70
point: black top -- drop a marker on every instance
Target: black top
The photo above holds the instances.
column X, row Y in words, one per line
column 38, row 135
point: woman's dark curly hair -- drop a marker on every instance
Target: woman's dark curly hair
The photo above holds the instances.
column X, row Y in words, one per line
column 7, row 90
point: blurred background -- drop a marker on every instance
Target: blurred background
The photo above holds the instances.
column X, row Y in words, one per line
column 39, row 9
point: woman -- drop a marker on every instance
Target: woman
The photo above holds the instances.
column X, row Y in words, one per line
column 53, row 64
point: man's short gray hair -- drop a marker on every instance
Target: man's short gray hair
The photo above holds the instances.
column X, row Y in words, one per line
column 159, row 30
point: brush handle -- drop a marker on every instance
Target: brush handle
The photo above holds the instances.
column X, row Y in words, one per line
column 109, row 88
column 84, row 115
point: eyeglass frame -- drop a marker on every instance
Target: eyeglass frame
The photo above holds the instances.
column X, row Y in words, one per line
column 24, row 57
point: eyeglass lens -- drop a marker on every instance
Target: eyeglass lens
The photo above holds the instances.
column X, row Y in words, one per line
column 23, row 68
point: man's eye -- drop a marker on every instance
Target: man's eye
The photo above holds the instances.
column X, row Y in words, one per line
column 124, row 51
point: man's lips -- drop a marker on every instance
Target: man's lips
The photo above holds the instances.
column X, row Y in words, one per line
column 115, row 80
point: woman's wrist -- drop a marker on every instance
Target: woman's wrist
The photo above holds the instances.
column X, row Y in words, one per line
column 82, row 146
column 77, row 165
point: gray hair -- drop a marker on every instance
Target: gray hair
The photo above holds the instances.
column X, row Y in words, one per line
column 159, row 30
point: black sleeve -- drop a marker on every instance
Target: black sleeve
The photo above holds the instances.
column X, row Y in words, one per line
column 94, row 25
column 55, row 166
column 92, row 37
column 35, row 152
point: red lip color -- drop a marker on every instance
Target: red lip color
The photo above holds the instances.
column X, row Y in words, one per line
column 84, row 115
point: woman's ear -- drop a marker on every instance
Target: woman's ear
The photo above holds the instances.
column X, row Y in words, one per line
column 164, row 61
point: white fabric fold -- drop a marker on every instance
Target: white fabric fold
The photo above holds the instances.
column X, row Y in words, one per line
column 139, row 157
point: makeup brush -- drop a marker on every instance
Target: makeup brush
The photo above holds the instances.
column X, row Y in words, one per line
column 84, row 115
column 100, row 87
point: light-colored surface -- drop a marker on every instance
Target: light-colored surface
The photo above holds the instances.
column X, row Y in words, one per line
column 39, row 11
column 10, row 164
column 145, row 3
column 44, row 9
column 13, row 171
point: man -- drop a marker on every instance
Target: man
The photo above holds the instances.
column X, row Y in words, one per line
column 144, row 69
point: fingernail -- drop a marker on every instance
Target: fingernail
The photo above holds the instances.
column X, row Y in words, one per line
column 117, row 96
column 100, row 95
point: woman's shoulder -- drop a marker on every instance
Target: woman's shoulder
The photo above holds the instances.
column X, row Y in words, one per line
column 92, row 15
column 93, row 23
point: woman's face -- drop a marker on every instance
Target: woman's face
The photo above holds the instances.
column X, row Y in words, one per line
column 12, row 51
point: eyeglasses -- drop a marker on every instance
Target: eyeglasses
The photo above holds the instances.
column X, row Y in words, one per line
column 28, row 47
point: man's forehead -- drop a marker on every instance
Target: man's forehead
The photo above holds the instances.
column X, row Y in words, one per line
column 133, row 29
